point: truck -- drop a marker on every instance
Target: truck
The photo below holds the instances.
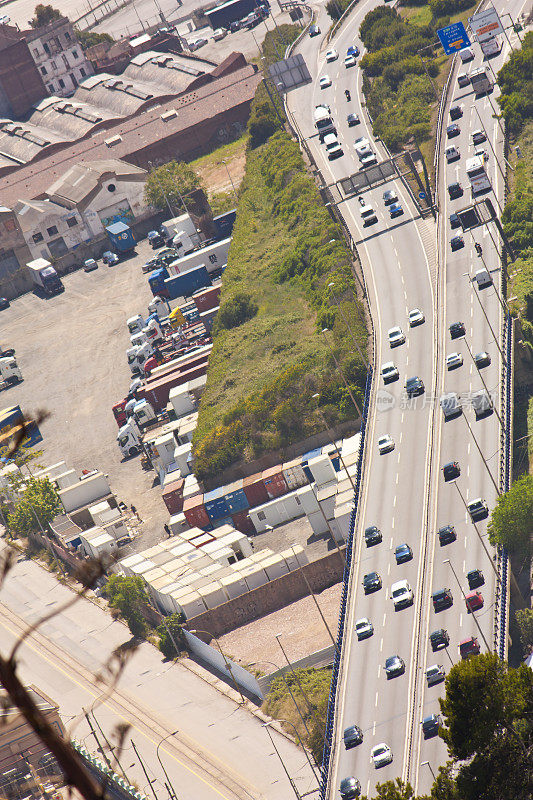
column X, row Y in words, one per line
column 213, row 256
column 224, row 224
column 45, row 277
column 181, row 285
column 480, row 80
column 475, row 169
column 9, row 372
column 323, row 121
column 135, row 324
column 184, row 223
column 491, row 47
column 129, row 438
column 121, row 238
column 157, row 392
column 137, row 355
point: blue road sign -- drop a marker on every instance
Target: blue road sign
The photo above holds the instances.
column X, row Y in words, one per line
column 453, row 38
column 422, row 195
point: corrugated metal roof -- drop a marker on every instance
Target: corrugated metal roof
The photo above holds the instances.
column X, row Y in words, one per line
column 82, row 178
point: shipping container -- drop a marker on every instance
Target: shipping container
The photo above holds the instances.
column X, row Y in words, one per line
column 333, row 452
column 179, row 364
column 173, row 496
column 236, row 499
column 294, row 473
column 215, row 504
column 305, row 460
column 204, row 299
column 195, row 512
column 158, row 392
column 275, row 483
column 241, row 522
column 254, row 489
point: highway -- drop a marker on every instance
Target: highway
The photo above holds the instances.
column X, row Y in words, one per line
column 400, row 494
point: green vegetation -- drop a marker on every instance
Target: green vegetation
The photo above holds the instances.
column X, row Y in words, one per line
column 511, row 520
column 336, row 8
column 524, row 619
column 221, row 202
column 89, row 38
column 170, row 632
column 225, row 151
column 169, row 183
column 44, row 15
column 37, row 507
column 128, row 597
column 235, row 311
column 516, row 83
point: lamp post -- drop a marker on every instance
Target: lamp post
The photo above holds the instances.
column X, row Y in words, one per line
column 279, row 669
column 491, row 476
column 492, row 148
column 310, row 706
column 354, row 340
column 170, row 787
column 491, row 560
column 150, row 783
column 447, row 561
column 341, row 373
column 230, row 179
column 486, row 389
column 467, row 274
column 287, row 722
column 226, row 662
column 311, row 592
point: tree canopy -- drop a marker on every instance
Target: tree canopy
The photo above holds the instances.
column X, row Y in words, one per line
column 128, row 596
column 511, row 523
column 165, row 184
column 37, row 507
column 89, row 38
column 44, row 15
column 171, row 635
column 516, row 83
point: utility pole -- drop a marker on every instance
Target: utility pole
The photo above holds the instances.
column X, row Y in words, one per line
column 311, row 592
column 341, row 373
column 143, row 769
column 111, row 748
column 310, row 706
column 100, row 748
column 447, row 561
column 481, row 454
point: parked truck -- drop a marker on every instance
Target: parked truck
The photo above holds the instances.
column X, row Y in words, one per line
column 182, row 285
column 45, row 277
column 129, row 438
column 480, row 80
column 213, row 256
column 121, row 238
column 9, row 372
column 157, row 392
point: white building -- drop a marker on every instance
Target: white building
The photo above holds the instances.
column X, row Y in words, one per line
column 58, row 56
column 50, row 230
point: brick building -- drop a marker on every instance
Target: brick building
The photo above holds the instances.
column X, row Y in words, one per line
column 20, row 82
column 18, row 741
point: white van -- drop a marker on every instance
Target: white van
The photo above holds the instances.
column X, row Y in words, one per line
column 333, row 148
column 466, row 54
column 452, row 153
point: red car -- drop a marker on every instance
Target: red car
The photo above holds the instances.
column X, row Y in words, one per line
column 474, row 601
column 469, row 647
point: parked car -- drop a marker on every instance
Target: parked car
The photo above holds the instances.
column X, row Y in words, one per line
column 89, row 265
column 4, row 303
column 110, row 258
column 218, row 34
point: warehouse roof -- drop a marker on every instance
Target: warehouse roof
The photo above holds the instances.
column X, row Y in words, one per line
column 31, row 213
column 81, row 179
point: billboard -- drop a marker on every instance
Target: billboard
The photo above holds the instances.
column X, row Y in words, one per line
column 11, row 420
column 486, row 24
column 453, row 38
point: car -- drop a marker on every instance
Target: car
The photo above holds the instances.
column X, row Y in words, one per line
column 439, row 639
column 469, row 647
column 381, row 755
column 4, row 303
column 385, row 444
column 372, row 536
column 352, row 120
column 416, row 317
column 451, row 405
column 361, row 142
column 110, row 258
column 478, row 137
column 475, row 578
column 435, row 674
column 455, row 222
column 394, row 665
column 455, row 190
column 363, row 150
column 430, row 726
column 395, row 210
column 368, row 160
column 482, row 359
column 446, row 534
column 401, row 595
column 474, row 601
column 478, row 509
column 325, row 81
column 396, row 336
column 481, row 153
column 153, row 263
column 451, row 470
column 363, row 628
column 442, row 599
column 350, row 788
column 403, row 553
column 456, row 112
column 89, row 265
column 452, row 154
column 389, row 197
column 197, row 43
column 481, row 403
column 353, row 735
column 389, row 372
column 314, row 30
column 353, row 50
column 371, row 582
column 453, row 130
column 155, row 239
column 463, row 79
column 457, row 242
column 218, row 34
column 350, row 61
column 454, row 361
column 414, row 386
column 368, row 214
column 331, row 55
column 457, row 329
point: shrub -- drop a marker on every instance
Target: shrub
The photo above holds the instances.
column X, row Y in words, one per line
column 234, row 312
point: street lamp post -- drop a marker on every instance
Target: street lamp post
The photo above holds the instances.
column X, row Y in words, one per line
column 485, row 387
column 286, row 682
column 310, row 706
column 481, row 454
column 172, row 791
column 230, row 179
column 341, row 373
column 226, row 662
column 427, row 764
column 311, row 592
column 486, row 317
column 487, row 137
column 150, row 783
column 330, row 433
column 491, row 560
column 447, row 561
column 287, row 722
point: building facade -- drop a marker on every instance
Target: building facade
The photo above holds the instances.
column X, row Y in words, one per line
column 20, row 81
column 58, row 56
column 14, row 255
column 50, row 230
column 18, row 741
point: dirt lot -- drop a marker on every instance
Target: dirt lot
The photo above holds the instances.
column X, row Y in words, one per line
column 71, row 351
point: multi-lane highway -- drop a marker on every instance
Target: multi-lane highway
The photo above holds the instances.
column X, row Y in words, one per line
column 404, row 492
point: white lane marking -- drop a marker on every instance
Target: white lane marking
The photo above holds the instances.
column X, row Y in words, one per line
column 379, row 670
column 394, row 502
column 388, row 569
column 401, row 436
column 381, row 646
column 384, row 618
column 377, row 697
column 460, row 620
column 392, row 523
column 397, row 478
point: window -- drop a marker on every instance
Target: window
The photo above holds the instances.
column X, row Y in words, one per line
column 65, row 60
column 46, row 48
column 111, row 187
column 261, row 515
column 53, row 64
column 61, row 83
column 37, row 237
column 75, row 53
column 52, row 230
column 50, row 88
column 43, row 70
column 72, row 222
column 35, row 53
column 82, row 72
column 67, row 36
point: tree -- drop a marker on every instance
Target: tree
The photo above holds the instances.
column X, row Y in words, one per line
column 171, row 635
column 44, row 15
column 89, row 38
column 394, row 790
column 128, row 596
column 524, row 619
column 38, row 506
column 511, row 522
column 168, row 182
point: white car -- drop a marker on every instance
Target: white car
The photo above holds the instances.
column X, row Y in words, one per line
column 363, row 150
column 385, row 444
column 401, row 595
column 361, row 142
column 325, row 81
column 454, row 360
column 368, row 159
column 396, row 336
column 331, row 55
column 350, row 61
column 219, row 34
column 363, row 628
column 389, row 197
column 416, row 317
column 389, row 372
column 381, row 755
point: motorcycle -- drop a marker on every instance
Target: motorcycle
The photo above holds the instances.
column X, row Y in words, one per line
column 479, row 249
column 348, row 95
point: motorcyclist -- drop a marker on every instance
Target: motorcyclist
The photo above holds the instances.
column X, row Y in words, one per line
column 347, row 93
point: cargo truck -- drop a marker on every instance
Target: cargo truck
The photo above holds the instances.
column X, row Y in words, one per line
column 475, row 169
column 9, row 372
column 480, row 80
column 323, row 121
column 45, row 277
column 121, row 238
column 213, row 257
column 129, row 439
column 182, row 285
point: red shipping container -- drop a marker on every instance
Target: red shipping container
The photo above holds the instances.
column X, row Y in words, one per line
column 195, row 513
column 242, row 522
column 173, row 496
column 254, row 489
column 207, row 298
column 157, row 393
column 275, row 482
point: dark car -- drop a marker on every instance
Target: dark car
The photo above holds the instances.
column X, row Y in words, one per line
column 350, row 788
column 4, row 303
column 352, row 736
column 475, row 578
column 414, row 386
column 451, row 470
column 439, row 639
column 478, row 509
column 353, row 50
column 456, row 112
column 394, row 665
column 455, row 190
column 395, row 210
column 314, row 30
column 457, row 329
column 403, row 553
column 457, row 242
column 236, row 26
column 430, row 726
column 463, row 80
column 371, row 582
column 442, row 599
column 455, row 222
column 482, row 359
column 353, row 119
column 372, row 535
column 155, row 239
column 453, row 130
column 469, row 647
column 474, row 601
column 110, row 258
column 446, row 534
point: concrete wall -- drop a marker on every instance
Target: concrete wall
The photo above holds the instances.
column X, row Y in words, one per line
column 321, row 574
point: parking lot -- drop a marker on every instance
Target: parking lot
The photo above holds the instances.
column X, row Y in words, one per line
column 71, row 351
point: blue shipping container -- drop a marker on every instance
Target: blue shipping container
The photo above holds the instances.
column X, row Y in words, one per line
column 184, row 284
column 306, row 458
column 235, row 497
column 215, row 504
column 121, row 237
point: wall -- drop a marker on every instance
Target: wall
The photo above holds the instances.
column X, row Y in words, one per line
column 20, row 82
column 59, row 57
column 50, row 246
column 321, row 574
column 117, row 200
column 14, row 255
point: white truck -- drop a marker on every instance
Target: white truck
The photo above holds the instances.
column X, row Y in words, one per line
column 135, row 324
column 44, row 276
column 323, row 121
column 475, row 169
column 333, row 148
column 491, row 47
column 213, row 257
column 480, row 80
column 9, row 372
column 137, row 356
column 144, row 414
column 129, row 438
